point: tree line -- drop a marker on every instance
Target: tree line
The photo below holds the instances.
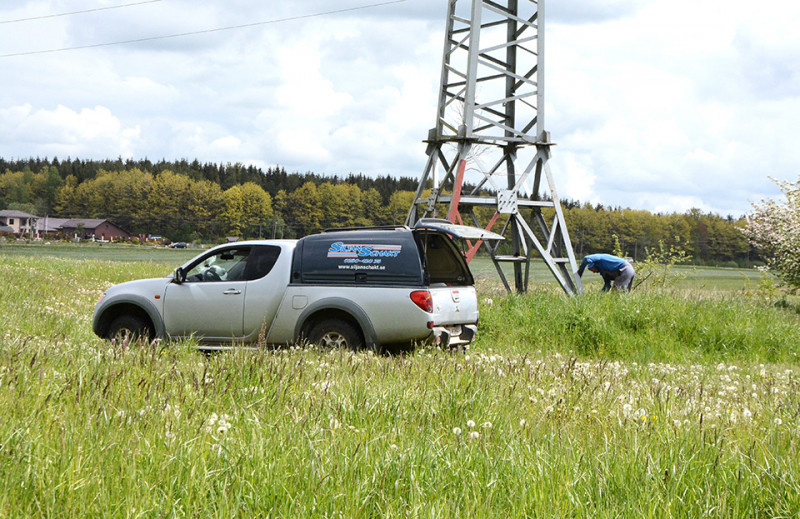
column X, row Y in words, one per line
column 187, row 201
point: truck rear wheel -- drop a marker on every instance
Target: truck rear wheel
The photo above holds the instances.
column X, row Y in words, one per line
column 335, row 333
column 130, row 326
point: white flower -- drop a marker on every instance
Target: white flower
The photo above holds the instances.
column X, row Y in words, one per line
column 470, row 424
column 522, row 423
column 393, row 447
column 747, row 414
column 457, row 431
column 778, row 421
column 487, row 425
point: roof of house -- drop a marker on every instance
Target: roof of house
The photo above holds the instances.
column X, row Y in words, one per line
column 50, row 224
column 16, row 214
column 87, row 223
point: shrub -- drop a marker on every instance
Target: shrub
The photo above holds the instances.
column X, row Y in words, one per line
column 774, row 228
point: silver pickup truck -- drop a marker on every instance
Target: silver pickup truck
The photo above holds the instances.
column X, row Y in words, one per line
column 345, row 288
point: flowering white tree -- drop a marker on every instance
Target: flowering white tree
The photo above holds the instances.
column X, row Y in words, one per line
column 774, row 228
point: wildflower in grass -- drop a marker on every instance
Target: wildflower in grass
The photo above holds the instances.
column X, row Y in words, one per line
column 522, row 423
column 171, row 410
column 747, row 414
column 627, row 409
column 457, row 431
column 470, row 424
column 487, row 425
column 778, row 421
column 323, row 386
column 223, row 427
column 474, row 435
column 393, row 447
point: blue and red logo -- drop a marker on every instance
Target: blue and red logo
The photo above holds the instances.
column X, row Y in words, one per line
column 355, row 250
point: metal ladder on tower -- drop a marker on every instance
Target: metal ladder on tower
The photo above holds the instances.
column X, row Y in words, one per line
column 490, row 141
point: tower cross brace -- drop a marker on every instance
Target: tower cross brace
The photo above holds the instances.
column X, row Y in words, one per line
column 488, row 153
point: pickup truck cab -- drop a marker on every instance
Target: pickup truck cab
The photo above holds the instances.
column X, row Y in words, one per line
column 343, row 288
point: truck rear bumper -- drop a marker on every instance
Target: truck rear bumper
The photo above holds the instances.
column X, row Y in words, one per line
column 454, row 336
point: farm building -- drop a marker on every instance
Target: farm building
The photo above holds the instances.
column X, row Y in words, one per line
column 93, row 228
column 22, row 223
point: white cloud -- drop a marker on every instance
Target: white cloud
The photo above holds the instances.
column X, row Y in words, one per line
column 90, row 132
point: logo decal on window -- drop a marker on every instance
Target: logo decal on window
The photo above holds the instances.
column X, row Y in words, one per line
column 354, row 250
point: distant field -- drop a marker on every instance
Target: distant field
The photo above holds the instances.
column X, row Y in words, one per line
column 701, row 278
column 710, row 278
column 96, row 251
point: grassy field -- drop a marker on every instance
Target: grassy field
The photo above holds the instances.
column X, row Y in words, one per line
column 654, row 404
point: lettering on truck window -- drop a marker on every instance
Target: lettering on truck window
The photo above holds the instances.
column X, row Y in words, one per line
column 357, row 256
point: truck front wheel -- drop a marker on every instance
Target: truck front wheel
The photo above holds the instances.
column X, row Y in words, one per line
column 131, row 326
column 335, row 333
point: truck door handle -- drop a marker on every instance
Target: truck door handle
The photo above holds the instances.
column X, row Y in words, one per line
column 232, row 292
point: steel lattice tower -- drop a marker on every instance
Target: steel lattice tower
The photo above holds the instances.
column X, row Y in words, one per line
column 490, row 140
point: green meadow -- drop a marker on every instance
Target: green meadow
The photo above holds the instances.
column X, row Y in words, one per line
column 660, row 403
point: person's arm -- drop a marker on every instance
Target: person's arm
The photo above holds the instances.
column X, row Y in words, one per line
column 607, row 284
column 582, row 267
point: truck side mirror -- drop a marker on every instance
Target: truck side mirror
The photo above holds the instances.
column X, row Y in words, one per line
column 178, row 276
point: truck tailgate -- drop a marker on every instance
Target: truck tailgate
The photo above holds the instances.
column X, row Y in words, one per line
column 454, row 305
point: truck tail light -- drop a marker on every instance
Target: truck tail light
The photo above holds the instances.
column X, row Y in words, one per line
column 423, row 299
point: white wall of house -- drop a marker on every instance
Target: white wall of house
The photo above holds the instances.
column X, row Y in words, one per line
column 21, row 224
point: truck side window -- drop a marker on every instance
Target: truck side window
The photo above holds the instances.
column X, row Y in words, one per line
column 225, row 265
column 261, row 261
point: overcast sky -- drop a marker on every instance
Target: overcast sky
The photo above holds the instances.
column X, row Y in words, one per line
column 661, row 105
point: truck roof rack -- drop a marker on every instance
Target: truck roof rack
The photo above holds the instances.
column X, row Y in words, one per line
column 369, row 228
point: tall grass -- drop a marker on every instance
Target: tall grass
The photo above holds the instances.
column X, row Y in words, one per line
column 662, row 326
column 562, row 408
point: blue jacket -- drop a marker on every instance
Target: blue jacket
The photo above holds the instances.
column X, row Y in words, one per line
column 608, row 265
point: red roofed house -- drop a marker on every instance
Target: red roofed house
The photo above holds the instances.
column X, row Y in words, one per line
column 93, row 228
